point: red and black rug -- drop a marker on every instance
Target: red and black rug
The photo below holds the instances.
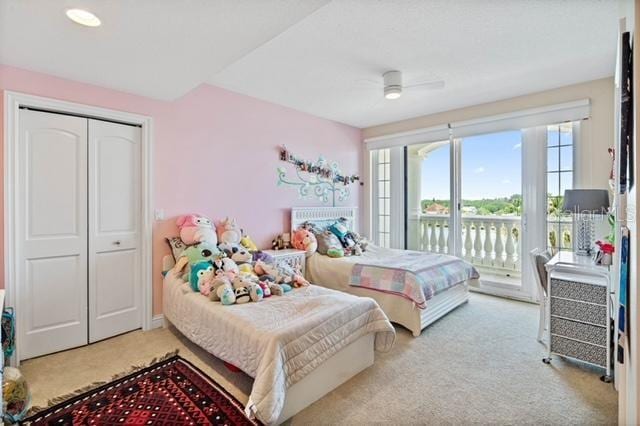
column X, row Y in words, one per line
column 170, row 392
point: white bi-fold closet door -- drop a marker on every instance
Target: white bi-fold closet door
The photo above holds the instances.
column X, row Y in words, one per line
column 78, row 231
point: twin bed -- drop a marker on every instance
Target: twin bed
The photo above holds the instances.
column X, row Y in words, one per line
column 340, row 273
column 300, row 346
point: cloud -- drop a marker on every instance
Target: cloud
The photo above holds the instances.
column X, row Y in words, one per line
column 506, row 181
column 517, row 146
column 479, row 170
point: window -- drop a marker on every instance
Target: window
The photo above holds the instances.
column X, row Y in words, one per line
column 559, row 179
column 382, row 199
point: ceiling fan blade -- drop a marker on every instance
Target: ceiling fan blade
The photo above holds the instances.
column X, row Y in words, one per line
column 430, row 85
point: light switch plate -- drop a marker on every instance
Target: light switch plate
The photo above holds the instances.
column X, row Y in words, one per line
column 159, row 214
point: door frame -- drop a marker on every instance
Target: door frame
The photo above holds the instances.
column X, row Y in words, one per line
column 12, row 103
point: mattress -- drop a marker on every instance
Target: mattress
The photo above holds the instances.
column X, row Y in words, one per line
column 279, row 340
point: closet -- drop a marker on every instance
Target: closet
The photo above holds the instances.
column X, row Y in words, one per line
column 77, row 230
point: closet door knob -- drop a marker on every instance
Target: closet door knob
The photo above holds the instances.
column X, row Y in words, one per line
column 116, row 243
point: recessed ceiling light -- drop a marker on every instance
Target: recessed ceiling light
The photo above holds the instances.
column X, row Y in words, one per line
column 83, row 17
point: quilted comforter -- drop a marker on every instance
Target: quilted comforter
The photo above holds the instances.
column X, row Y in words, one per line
column 279, row 340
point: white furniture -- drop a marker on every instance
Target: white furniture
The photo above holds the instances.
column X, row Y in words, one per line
column 542, row 292
column 579, row 314
column 335, row 274
column 292, row 257
column 78, row 231
column 271, row 342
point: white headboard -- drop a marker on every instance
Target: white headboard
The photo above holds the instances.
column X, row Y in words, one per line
column 300, row 215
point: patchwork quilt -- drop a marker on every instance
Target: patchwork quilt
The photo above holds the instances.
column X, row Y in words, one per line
column 418, row 276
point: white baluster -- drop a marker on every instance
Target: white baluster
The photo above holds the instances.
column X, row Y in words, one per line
column 499, row 247
column 424, row 241
column 467, row 241
column 432, row 237
column 509, row 248
column 477, row 244
column 441, row 237
column 488, row 246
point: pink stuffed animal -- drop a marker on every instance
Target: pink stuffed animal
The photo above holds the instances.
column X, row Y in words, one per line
column 228, row 232
column 196, row 229
column 305, row 240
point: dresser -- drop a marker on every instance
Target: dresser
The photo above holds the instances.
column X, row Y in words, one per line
column 295, row 258
column 579, row 314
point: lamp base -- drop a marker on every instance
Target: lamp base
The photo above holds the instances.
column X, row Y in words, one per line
column 584, row 235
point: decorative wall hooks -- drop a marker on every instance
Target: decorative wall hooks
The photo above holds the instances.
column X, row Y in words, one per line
column 316, row 178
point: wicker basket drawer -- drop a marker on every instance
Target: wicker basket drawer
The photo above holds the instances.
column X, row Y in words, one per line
column 579, row 331
column 585, row 312
column 582, row 351
column 579, row 291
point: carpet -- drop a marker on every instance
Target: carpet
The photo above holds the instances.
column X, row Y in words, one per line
column 171, row 391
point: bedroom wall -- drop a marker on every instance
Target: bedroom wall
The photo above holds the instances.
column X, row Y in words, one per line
column 215, row 153
column 592, row 162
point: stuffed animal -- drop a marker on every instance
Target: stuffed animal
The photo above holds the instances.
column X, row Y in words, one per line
column 247, row 269
column 275, row 289
column 228, row 265
column 340, row 230
column 242, row 295
column 335, row 252
column 304, row 239
column 286, row 288
column 228, row 232
column 327, row 241
column 196, row 229
column 255, row 292
column 264, row 285
column 242, row 281
column 201, row 272
column 248, row 243
column 226, row 295
column 201, row 252
column 265, row 257
column 241, row 255
column 218, row 282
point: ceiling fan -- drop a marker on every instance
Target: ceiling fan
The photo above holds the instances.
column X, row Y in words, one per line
column 393, row 87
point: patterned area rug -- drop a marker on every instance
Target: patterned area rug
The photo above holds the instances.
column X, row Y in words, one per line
column 172, row 391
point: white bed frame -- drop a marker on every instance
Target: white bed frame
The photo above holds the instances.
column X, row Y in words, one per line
column 399, row 310
column 335, row 371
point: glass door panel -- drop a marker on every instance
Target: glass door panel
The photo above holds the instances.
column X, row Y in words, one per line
column 428, row 197
column 492, row 207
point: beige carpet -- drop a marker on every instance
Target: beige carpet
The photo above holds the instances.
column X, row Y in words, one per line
column 480, row 364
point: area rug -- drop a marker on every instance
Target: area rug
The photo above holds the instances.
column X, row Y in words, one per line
column 172, row 391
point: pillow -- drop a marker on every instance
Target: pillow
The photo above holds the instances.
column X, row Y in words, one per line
column 327, row 241
column 177, row 247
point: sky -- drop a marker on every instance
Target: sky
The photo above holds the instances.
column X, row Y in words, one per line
column 491, row 168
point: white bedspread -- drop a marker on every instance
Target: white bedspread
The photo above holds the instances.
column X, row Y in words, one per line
column 279, row 340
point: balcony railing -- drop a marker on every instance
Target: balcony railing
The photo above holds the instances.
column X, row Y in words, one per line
column 489, row 242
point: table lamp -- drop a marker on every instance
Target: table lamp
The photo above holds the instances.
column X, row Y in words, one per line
column 583, row 204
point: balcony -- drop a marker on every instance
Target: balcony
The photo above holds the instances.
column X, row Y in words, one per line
column 491, row 243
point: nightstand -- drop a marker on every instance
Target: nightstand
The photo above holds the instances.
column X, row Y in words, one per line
column 294, row 258
column 579, row 314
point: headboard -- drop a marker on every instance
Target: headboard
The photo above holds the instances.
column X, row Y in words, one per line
column 300, row 215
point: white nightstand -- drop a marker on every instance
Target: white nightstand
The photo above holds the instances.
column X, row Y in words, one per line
column 294, row 258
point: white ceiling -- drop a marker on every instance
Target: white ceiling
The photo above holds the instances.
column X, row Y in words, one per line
column 156, row 48
column 315, row 55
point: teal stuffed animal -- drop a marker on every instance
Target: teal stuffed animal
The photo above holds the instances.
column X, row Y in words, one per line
column 200, row 273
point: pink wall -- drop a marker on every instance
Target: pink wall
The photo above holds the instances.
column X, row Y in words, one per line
column 215, row 153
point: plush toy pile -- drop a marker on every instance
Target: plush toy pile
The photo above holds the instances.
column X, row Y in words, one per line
column 225, row 265
column 335, row 241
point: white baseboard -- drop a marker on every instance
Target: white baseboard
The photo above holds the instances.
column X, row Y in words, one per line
column 157, row 321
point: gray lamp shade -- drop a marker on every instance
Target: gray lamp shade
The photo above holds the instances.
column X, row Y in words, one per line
column 586, row 200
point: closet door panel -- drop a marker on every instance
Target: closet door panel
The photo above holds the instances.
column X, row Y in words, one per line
column 52, row 232
column 114, row 229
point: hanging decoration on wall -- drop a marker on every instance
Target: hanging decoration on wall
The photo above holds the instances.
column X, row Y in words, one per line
column 320, row 179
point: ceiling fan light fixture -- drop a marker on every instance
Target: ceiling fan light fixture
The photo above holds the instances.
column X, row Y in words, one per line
column 392, row 92
column 83, row 17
